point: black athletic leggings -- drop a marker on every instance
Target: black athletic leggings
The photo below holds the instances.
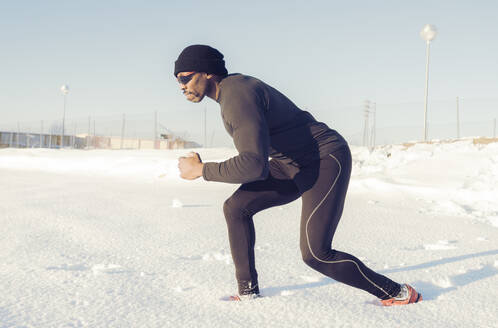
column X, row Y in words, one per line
column 322, row 186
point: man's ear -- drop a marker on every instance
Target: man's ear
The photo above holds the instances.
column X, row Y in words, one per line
column 209, row 76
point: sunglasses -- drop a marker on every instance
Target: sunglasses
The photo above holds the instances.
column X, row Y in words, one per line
column 184, row 79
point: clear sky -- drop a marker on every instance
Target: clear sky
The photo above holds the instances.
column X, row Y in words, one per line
column 327, row 56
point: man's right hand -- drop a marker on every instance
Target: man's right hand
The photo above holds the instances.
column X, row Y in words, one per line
column 190, row 166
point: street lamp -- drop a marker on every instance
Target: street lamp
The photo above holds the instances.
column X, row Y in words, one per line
column 428, row 33
column 65, row 91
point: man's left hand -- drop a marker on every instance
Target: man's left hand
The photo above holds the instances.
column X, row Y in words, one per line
column 190, row 166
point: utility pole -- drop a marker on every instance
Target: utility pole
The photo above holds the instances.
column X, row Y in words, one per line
column 94, row 140
column 122, row 131
column 205, row 126
column 212, row 138
column 73, row 138
column 41, row 135
column 374, row 127
column 155, row 129
column 49, row 139
column 88, row 136
column 365, row 126
column 458, row 118
column 18, row 134
column 494, row 128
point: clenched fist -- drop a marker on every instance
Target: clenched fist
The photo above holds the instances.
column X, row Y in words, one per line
column 190, row 166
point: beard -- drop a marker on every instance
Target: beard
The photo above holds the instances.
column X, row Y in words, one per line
column 193, row 96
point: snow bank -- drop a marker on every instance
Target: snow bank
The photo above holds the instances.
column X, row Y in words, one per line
column 132, row 164
column 457, row 178
column 116, row 239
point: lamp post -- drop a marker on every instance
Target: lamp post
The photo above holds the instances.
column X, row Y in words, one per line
column 428, row 34
column 65, row 91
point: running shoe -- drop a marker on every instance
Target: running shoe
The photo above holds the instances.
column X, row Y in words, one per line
column 239, row 298
column 248, row 290
column 406, row 295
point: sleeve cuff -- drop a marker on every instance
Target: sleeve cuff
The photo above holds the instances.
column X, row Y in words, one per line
column 204, row 173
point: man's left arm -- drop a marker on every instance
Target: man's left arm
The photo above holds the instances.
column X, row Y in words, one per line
column 244, row 112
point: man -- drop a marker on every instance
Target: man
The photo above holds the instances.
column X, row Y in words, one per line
column 308, row 160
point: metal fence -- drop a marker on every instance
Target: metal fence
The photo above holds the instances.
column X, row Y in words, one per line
column 397, row 123
column 30, row 140
column 381, row 123
column 142, row 131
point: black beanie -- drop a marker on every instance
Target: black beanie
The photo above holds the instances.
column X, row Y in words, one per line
column 200, row 58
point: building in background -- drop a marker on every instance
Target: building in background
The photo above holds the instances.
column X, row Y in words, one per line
column 85, row 141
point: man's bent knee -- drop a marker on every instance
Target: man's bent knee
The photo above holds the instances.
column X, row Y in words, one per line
column 311, row 260
column 316, row 259
column 233, row 210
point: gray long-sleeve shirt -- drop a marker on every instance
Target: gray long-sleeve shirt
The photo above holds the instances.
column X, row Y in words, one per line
column 263, row 122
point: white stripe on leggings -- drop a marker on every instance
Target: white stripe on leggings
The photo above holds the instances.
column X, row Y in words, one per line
column 340, row 261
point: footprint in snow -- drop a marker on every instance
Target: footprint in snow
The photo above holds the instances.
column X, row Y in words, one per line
column 109, row 269
column 438, row 287
column 68, row 267
column 218, row 256
column 190, row 258
column 179, row 289
column 443, row 282
column 310, row 278
column 96, row 269
column 286, row 293
column 264, row 247
column 441, row 245
column 176, row 203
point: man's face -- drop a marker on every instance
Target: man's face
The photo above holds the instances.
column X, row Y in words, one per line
column 193, row 84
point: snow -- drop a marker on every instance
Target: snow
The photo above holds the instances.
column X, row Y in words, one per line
column 116, row 239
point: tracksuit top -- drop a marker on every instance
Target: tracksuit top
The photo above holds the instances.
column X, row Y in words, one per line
column 265, row 123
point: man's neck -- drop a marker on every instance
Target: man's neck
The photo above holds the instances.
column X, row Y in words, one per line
column 214, row 89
